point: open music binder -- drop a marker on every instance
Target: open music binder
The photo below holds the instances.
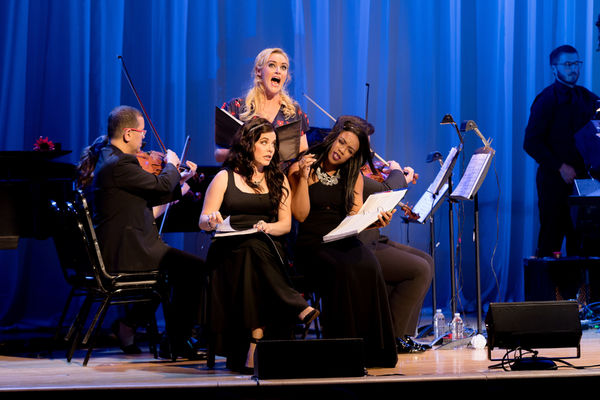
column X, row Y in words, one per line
column 367, row 215
column 226, row 125
column 474, row 174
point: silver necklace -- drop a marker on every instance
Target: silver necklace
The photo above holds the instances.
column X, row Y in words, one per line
column 258, row 182
column 327, row 179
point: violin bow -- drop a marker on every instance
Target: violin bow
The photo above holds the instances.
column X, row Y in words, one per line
column 124, row 68
column 334, row 120
column 183, row 155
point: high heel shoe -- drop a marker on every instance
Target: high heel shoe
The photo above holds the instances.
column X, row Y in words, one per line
column 126, row 348
column 248, row 368
column 310, row 317
column 416, row 345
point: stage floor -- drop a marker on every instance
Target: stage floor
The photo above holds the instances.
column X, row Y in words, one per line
column 438, row 369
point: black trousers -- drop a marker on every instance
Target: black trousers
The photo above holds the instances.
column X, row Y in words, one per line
column 186, row 276
column 407, row 273
column 555, row 215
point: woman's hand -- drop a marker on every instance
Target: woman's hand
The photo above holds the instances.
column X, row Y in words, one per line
column 212, row 220
column 384, row 219
column 262, row 226
column 304, row 164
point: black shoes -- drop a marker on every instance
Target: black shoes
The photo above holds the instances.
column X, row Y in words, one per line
column 188, row 350
column 408, row 345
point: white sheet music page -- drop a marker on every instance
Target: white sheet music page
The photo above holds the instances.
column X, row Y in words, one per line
column 225, row 229
column 428, row 202
column 437, row 182
column 473, row 176
column 367, row 215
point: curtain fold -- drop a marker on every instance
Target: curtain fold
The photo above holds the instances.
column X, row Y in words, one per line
column 481, row 61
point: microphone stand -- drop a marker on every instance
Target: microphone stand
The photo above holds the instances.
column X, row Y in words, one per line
column 449, row 120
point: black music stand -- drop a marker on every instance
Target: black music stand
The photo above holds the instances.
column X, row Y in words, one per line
column 467, row 188
column 430, row 201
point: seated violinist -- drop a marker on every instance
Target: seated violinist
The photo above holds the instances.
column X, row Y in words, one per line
column 407, row 271
column 123, row 197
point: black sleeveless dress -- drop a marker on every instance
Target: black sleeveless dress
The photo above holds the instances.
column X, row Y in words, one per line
column 347, row 276
column 250, row 286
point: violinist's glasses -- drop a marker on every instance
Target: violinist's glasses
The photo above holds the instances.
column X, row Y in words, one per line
column 571, row 64
column 142, row 131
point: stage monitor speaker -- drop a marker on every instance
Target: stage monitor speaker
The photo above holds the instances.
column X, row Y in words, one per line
column 311, row 358
column 533, row 325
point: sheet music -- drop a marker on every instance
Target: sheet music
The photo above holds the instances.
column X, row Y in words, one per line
column 367, row 215
column 587, row 187
column 428, row 203
column 473, row 176
column 225, row 229
column 444, row 172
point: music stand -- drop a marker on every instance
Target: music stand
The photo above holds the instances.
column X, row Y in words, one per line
column 467, row 189
column 430, row 202
column 226, row 126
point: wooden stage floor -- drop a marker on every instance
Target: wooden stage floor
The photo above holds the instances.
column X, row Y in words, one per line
column 466, row 370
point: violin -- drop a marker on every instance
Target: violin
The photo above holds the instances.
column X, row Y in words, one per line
column 380, row 176
column 151, row 161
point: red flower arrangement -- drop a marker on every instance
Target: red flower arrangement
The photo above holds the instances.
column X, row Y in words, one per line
column 43, row 144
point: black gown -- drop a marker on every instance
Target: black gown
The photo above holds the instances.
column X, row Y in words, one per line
column 348, row 278
column 250, row 286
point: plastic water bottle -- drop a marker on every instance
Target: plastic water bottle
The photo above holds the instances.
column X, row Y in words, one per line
column 439, row 323
column 457, row 327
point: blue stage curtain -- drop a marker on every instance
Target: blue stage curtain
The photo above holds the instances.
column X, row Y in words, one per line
column 417, row 60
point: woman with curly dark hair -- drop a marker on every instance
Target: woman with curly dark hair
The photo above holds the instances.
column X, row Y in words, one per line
column 251, row 295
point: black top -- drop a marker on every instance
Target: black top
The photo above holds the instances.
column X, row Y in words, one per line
column 327, row 210
column 245, row 209
column 557, row 113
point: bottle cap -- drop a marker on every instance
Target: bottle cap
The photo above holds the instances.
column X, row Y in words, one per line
column 457, row 314
column 438, row 310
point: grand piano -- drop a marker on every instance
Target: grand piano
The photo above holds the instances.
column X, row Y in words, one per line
column 28, row 180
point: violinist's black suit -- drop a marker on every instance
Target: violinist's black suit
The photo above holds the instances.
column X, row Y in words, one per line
column 123, row 197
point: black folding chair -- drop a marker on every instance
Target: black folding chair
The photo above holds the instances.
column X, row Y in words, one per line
column 81, row 261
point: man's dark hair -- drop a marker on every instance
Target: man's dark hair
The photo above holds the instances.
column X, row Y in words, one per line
column 565, row 48
column 122, row 117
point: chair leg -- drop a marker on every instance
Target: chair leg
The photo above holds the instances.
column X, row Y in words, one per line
column 101, row 310
column 153, row 336
column 77, row 326
column 61, row 320
column 90, row 337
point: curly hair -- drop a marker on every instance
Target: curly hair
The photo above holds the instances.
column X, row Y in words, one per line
column 256, row 95
column 241, row 158
column 350, row 170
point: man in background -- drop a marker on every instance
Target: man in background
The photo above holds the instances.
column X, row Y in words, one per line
column 557, row 113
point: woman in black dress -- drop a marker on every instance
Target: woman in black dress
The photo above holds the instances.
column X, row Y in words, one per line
column 326, row 186
column 251, row 295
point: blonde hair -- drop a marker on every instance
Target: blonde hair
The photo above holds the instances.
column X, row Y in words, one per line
column 255, row 97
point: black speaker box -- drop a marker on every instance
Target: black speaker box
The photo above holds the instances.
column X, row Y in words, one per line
column 312, row 358
column 533, row 325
